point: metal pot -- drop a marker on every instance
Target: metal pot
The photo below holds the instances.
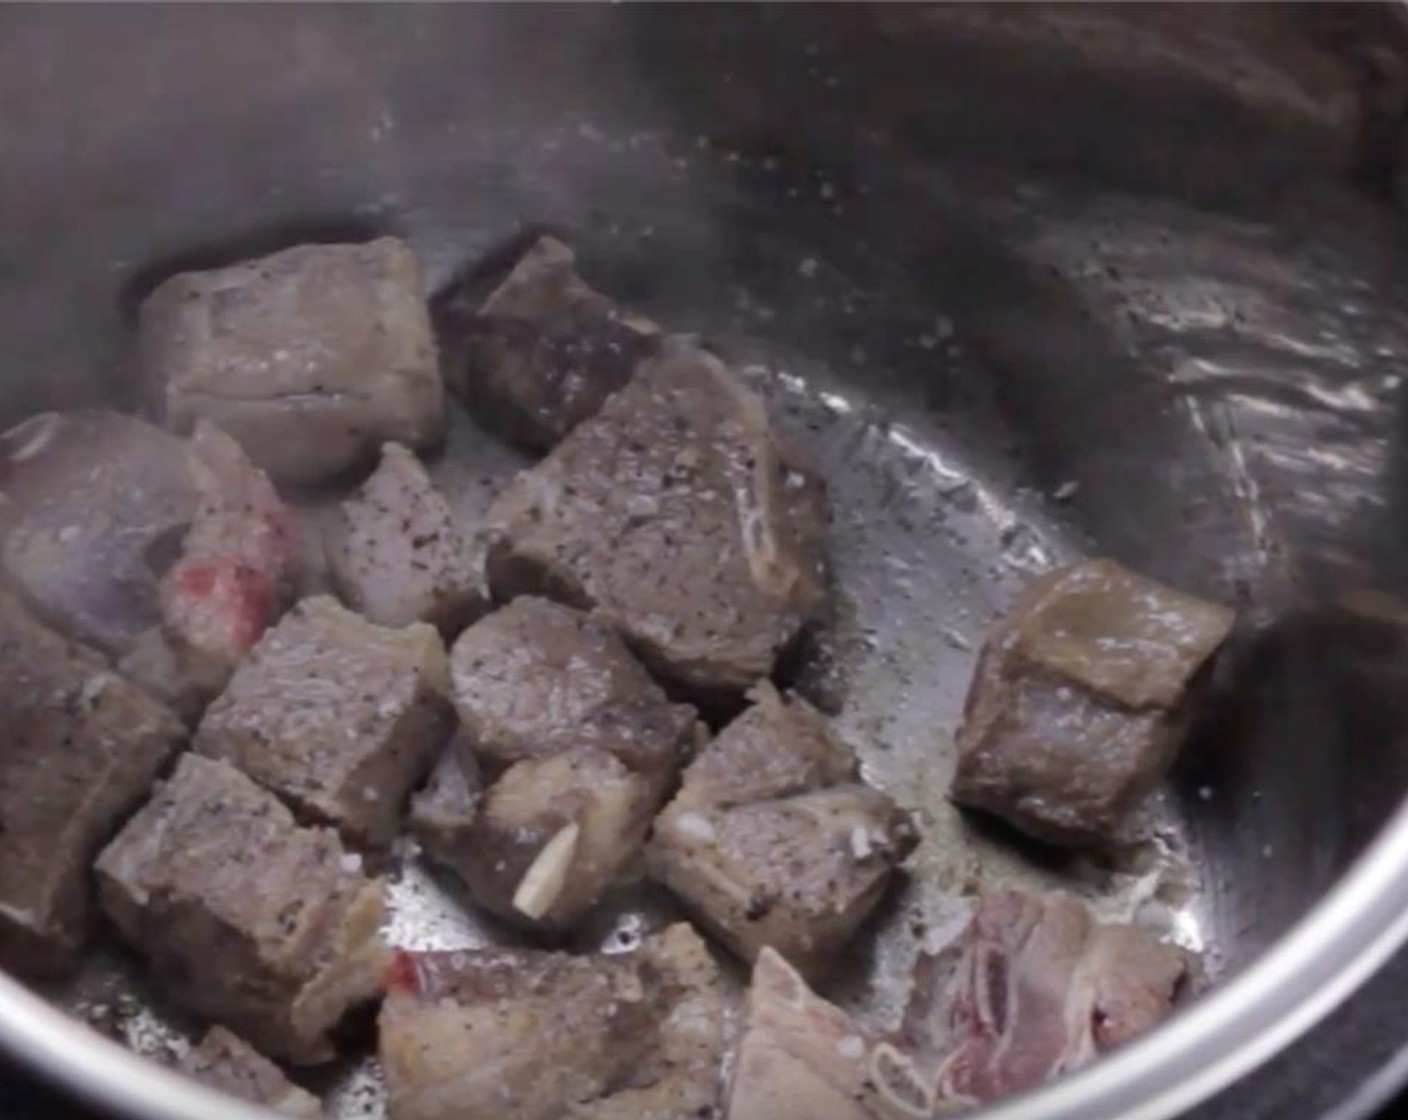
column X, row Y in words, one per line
column 1035, row 280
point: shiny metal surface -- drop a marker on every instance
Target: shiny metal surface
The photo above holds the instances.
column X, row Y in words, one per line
column 1026, row 285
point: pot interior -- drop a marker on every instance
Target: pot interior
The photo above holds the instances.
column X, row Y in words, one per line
column 1026, row 286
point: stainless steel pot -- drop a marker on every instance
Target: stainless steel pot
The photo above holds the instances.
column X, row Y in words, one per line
column 1145, row 260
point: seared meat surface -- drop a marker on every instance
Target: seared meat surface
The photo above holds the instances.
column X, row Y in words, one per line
column 311, row 358
column 225, row 1061
column 546, row 350
column 80, row 750
column 680, row 1079
column 773, row 841
column 1080, row 700
column 574, row 746
column 93, row 508
column 514, row 1034
column 395, row 554
column 536, row 678
column 338, row 716
column 677, row 516
column 1034, row 988
column 248, row 919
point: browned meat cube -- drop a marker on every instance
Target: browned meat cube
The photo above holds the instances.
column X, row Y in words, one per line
column 774, row 841
column 536, row 678
column 80, row 750
column 577, row 746
column 311, row 358
column 94, row 509
column 551, row 834
column 1034, row 988
column 678, row 517
column 545, row 350
column 799, row 1057
column 681, row 1077
column 513, row 1034
column 225, row 1061
column 1080, row 699
column 396, row 555
column 248, row 919
column 339, row 717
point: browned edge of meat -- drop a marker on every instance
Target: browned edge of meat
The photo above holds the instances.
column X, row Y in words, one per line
column 245, row 917
column 773, row 840
column 567, row 749
column 545, row 350
column 1081, row 699
column 677, row 515
column 341, row 718
column 395, row 554
column 80, row 750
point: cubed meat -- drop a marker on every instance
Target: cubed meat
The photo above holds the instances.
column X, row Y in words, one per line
column 80, row 751
column 573, row 749
column 1034, row 988
column 1080, row 700
column 514, row 1034
column 395, row 554
column 237, row 572
column 552, row 834
column 800, row 1057
column 227, row 1062
column 774, row 841
column 536, row 678
column 311, row 358
column 339, row 717
column 250, row 920
column 546, row 350
column 681, row 1078
column 238, row 568
column 677, row 516
column 93, row 509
